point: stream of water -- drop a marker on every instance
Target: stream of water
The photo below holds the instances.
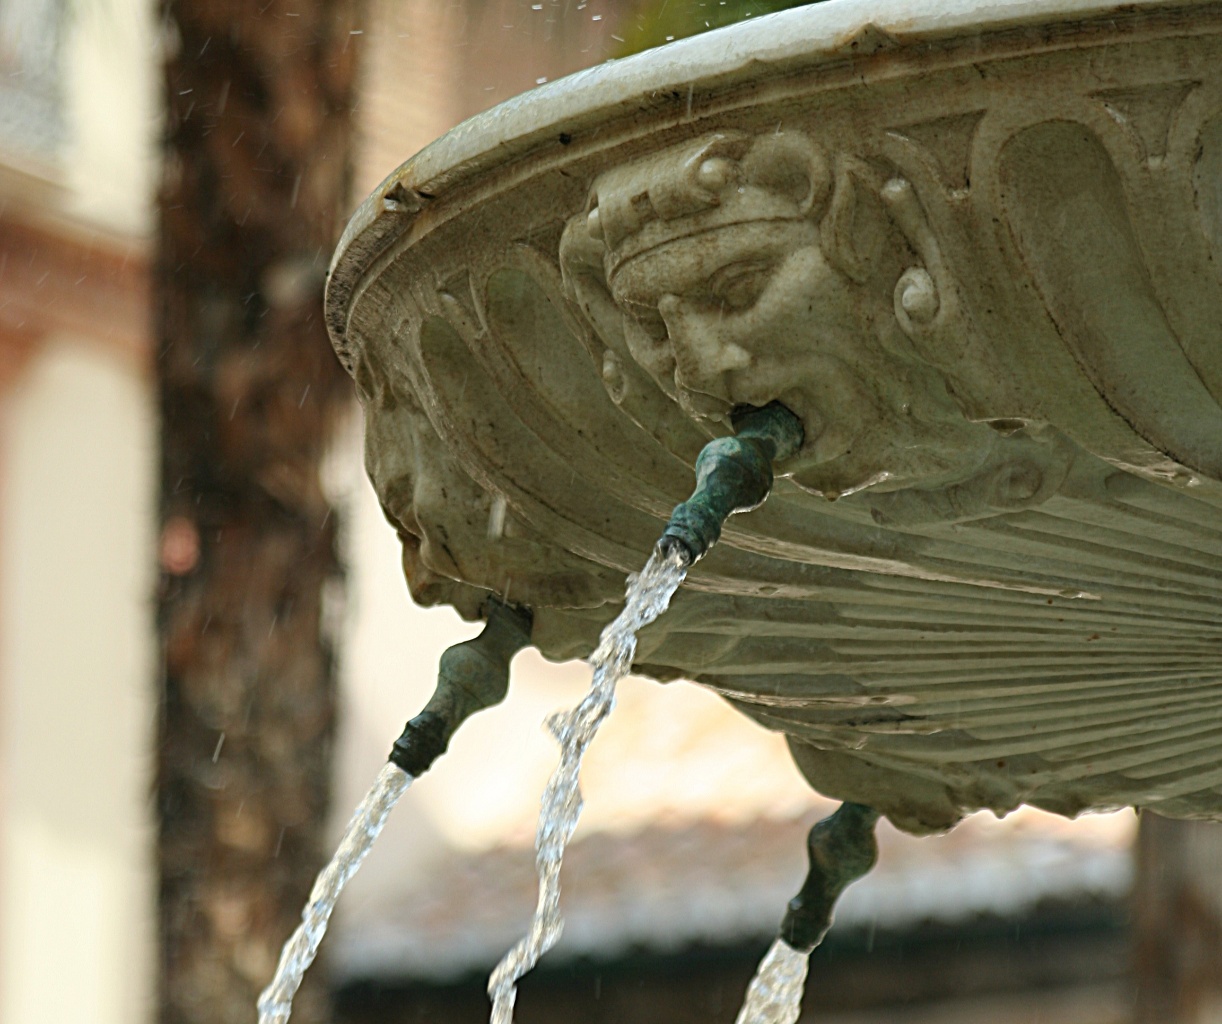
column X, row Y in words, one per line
column 775, row 993
column 276, row 1002
column 647, row 597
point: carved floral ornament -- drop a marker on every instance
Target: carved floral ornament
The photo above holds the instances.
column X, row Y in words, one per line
column 988, row 282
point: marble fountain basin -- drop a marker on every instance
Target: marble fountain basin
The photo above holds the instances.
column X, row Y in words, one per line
column 977, row 248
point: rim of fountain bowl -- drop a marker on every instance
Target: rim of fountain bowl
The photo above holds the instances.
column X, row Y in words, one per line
column 770, row 46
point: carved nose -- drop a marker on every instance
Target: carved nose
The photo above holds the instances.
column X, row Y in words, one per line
column 703, row 353
column 682, row 333
column 698, row 369
column 685, row 341
column 670, row 307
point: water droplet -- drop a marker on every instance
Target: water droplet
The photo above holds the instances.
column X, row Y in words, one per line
column 496, row 518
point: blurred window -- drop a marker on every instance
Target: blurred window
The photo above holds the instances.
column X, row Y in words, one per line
column 31, row 111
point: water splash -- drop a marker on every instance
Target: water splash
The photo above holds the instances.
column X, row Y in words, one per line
column 276, row 1002
column 647, row 597
column 775, row 993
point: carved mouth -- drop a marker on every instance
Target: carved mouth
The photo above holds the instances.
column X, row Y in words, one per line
column 826, row 438
column 701, row 405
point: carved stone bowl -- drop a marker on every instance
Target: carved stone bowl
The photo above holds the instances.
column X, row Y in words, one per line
column 977, row 247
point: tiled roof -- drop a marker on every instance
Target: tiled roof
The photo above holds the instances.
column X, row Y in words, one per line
column 663, row 889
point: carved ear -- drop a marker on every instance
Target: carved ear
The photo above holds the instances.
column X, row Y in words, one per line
column 856, row 223
column 924, row 295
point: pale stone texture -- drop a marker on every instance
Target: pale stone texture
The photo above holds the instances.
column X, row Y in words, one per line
column 975, row 247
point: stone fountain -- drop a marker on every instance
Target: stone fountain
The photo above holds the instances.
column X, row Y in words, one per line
column 977, row 249
column 974, row 251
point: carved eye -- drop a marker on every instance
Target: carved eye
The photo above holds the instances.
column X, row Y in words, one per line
column 739, row 285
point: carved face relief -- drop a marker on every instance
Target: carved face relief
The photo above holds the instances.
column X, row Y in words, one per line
column 752, row 269
column 460, row 542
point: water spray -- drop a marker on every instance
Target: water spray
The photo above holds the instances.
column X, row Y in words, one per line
column 471, row 676
column 733, row 474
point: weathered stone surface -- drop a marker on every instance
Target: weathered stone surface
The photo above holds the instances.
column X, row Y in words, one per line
column 977, row 248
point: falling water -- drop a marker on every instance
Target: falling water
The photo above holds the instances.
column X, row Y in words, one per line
column 647, row 597
column 276, row 1002
column 775, row 993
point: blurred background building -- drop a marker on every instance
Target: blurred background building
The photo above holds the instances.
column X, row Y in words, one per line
column 77, row 446
column 693, row 836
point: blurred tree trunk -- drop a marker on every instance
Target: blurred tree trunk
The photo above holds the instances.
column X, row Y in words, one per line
column 1178, row 922
column 259, row 99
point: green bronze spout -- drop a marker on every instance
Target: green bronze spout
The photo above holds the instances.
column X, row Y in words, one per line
column 842, row 848
column 733, row 474
column 471, row 676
